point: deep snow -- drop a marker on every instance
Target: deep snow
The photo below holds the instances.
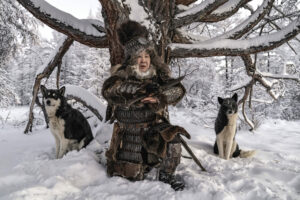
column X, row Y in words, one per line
column 28, row 169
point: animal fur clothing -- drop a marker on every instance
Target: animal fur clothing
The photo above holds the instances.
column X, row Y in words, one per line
column 142, row 133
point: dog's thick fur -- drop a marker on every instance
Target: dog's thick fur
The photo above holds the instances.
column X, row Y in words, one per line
column 69, row 127
column 225, row 128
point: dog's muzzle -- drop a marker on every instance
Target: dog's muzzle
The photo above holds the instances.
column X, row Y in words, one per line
column 48, row 102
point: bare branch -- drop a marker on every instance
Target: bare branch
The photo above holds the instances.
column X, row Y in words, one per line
column 282, row 13
column 80, row 30
column 42, row 106
column 196, row 13
column 58, row 74
column 46, row 73
column 274, row 18
column 247, row 120
column 258, row 77
column 180, row 38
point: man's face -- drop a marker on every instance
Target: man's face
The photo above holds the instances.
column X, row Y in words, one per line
column 143, row 61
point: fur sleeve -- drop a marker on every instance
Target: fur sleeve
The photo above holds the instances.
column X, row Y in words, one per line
column 110, row 90
column 173, row 95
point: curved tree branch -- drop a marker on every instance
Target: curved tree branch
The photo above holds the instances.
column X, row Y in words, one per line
column 53, row 62
column 247, row 92
column 249, row 23
column 226, row 10
column 84, row 103
column 257, row 76
column 82, row 31
column 185, row 2
column 196, row 13
column 227, row 47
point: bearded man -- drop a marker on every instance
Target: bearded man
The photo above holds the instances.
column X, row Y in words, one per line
column 143, row 137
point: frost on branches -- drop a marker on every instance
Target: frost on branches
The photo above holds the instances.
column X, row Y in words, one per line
column 189, row 28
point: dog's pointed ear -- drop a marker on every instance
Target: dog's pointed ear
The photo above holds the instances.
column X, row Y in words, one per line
column 43, row 90
column 220, row 100
column 235, row 97
column 62, row 90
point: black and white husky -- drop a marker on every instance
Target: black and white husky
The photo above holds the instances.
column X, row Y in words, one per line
column 69, row 127
column 225, row 128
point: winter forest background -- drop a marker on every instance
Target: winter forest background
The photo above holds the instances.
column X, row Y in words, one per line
column 23, row 51
column 270, row 78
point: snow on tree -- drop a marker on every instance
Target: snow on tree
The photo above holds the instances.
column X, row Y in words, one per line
column 7, row 94
column 270, row 25
column 15, row 24
column 16, row 29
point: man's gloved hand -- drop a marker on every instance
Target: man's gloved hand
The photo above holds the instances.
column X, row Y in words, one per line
column 152, row 88
column 129, row 87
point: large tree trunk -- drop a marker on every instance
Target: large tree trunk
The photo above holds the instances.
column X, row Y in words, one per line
column 114, row 14
column 160, row 14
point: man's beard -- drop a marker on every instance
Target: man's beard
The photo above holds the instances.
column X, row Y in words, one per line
column 143, row 75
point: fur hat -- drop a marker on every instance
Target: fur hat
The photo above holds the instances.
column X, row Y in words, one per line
column 134, row 37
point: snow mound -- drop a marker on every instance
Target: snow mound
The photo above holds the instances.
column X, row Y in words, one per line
column 29, row 170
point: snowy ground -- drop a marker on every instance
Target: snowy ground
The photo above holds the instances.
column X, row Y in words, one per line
column 28, row 169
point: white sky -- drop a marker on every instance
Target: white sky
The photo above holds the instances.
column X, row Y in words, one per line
column 77, row 8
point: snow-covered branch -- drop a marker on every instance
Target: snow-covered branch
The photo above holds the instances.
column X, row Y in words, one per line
column 258, row 77
column 247, row 94
column 249, row 23
column 185, row 2
column 196, row 13
column 88, row 99
column 228, row 47
column 280, row 76
column 84, row 31
column 182, row 36
column 226, row 10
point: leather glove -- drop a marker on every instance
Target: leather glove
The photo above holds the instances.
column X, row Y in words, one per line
column 129, row 87
column 152, row 88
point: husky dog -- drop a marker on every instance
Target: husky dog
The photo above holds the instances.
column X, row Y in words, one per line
column 70, row 128
column 225, row 127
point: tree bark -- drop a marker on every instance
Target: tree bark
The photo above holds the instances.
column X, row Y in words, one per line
column 216, row 17
column 67, row 29
column 185, row 2
column 188, row 17
column 114, row 15
column 162, row 15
